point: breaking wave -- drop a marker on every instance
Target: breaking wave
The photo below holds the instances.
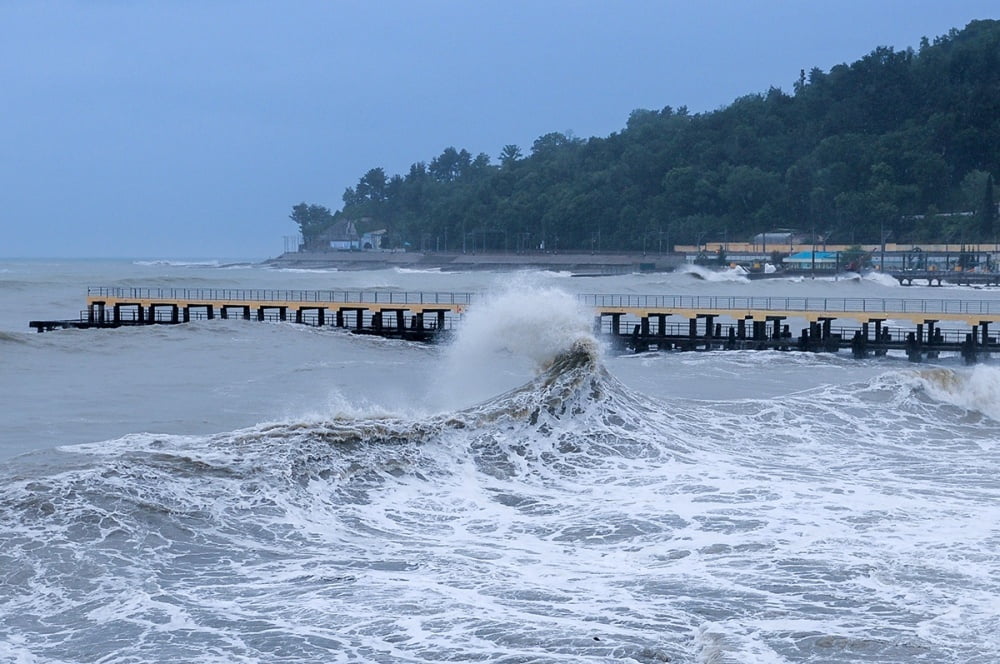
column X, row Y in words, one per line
column 567, row 519
column 727, row 274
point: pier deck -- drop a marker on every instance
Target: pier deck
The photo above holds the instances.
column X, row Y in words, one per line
column 920, row 327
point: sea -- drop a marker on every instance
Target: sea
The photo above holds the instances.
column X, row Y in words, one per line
column 254, row 492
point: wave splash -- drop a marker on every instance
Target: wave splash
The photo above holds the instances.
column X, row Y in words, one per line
column 567, row 519
column 976, row 389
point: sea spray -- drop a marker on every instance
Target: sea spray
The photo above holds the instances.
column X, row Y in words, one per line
column 737, row 273
column 976, row 389
column 510, row 334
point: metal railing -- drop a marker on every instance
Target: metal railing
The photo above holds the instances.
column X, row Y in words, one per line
column 271, row 295
column 989, row 307
column 797, row 304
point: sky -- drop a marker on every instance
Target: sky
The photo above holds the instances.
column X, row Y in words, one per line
column 189, row 128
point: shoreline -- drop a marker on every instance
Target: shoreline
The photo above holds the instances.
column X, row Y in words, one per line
column 576, row 262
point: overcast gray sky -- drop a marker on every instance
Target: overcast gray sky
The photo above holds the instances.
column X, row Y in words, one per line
column 189, row 128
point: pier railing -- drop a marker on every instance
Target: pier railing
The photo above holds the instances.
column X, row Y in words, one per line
column 831, row 305
column 803, row 304
column 273, row 295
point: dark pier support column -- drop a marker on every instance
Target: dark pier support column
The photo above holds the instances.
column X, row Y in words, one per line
column 418, row 321
column 116, row 314
column 298, row 316
column 741, row 329
column 260, row 313
column 377, row 321
column 174, row 313
column 340, row 318
column 246, row 312
column 644, row 326
column 934, row 338
column 692, row 333
column 661, row 325
column 831, row 343
column 440, row 322
column 969, row 347
column 709, row 331
column 880, row 339
column 210, row 312
column 95, row 313
column 859, row 345
column 616, row 324
column 400, row 320
column 321, row 316
column 985, row 343
column 140, row 314
column 186, row 314
column 913, row 346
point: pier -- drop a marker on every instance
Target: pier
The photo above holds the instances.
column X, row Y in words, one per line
column 921, row 328
column 941, row 277
column 412, row 316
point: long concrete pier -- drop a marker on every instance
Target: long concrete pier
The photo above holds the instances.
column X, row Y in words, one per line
column 866, row 326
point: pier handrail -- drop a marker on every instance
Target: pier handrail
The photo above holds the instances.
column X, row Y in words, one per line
column 787, row 304
column 596, row 301
column 274, row 295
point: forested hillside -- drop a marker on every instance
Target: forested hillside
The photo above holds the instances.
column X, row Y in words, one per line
column 886, row 145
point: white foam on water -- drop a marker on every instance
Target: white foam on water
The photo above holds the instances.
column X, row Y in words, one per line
column 976, row 389
column 881, row 279
column 305, row 270
column 726, row 274
column 176, row 263
column 850, row 522
column 413, row 270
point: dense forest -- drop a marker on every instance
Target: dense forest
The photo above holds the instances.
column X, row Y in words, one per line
column 901, row 145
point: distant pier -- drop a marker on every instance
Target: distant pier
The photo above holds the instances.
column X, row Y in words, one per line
column 940, row 277
column 921, row 328
column 412, row 316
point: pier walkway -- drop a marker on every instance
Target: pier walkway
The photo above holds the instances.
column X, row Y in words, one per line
column 920, row 327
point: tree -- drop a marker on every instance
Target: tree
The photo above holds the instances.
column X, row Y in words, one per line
column 850, row 153
column 312, row 220
column 987, row 211
column 509, row 155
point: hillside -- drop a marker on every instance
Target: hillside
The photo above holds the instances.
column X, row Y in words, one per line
column 901, row 144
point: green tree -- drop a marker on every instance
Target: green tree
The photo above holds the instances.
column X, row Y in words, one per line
column 312, row 220
column 987, row 211
column 510, row 155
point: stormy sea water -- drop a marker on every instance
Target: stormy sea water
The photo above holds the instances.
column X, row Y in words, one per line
column 232, row 491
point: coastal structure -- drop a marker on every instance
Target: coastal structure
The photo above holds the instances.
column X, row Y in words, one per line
column 866, row 326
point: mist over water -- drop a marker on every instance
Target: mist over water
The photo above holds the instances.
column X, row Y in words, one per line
column 228, row 491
